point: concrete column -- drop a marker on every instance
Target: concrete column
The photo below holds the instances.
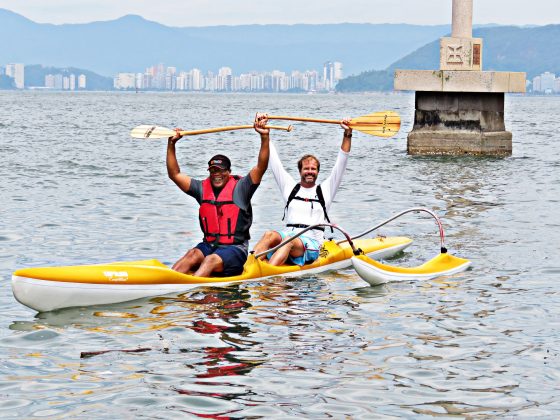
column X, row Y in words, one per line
column 462, row 19
column 460, row 108
column 455, row 123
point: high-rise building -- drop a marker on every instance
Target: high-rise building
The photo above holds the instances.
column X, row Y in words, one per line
column 58, row 82
column 544, row 82
column 49, row 81
column 139, row 83
column 537, row 84
column 547, row 82
column 224, row 79
column 277, row 80
column 310, row 80
column 197, row 79
column 171, row 78
column 82, row 81
column 147, row 80
column 17, row 72
column 329, row 75
column 158, row 76
column 124, row 81
column 337, row 71
column 235, row 83
column 210, row 81
column 225, row 71
column 183, row 81
column 332, row 73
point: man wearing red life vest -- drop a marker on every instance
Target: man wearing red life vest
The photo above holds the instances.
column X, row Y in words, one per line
column 225, row 213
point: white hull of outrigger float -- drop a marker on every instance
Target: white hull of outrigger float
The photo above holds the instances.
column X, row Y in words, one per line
column 152, row 278
column 376, row 273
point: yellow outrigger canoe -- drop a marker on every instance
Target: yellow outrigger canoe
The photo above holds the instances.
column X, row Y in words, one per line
column 50, row 288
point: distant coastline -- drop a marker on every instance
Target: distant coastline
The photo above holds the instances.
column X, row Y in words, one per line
column 267, row 53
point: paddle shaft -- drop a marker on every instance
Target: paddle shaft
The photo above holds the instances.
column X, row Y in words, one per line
column 230, row 128
column 357, row 123
column 318, row 120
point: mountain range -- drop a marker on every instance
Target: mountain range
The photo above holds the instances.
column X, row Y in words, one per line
column 369, row 52
column 132, row 43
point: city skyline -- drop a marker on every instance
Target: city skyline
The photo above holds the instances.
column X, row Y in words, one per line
column 222, row 12
column 169, row 78
column 546, row 82
column 159, row 77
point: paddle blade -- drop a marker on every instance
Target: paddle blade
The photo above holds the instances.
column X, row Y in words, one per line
column 151, row 132
column 380, row 124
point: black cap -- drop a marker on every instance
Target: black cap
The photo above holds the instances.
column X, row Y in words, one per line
column 220, row 161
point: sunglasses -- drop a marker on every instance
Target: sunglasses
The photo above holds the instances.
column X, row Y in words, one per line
column 215, row 170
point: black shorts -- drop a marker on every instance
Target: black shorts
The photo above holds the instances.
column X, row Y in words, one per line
column 232, row 256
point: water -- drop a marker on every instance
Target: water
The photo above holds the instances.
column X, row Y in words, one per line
column 76, row 189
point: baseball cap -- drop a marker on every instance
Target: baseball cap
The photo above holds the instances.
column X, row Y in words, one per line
column 220, row 161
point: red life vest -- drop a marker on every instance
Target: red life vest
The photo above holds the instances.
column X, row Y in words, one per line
column 221, row 220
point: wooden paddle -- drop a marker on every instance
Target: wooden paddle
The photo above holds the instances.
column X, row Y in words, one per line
column 154, row 132
column 380, row 124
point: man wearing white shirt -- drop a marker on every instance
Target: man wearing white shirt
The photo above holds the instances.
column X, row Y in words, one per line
column 307, row 204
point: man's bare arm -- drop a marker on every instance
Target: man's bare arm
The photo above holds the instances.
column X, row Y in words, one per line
column 182, row 180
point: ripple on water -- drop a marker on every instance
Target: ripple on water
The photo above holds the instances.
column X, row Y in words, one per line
column 34, row 387
column 335, row 409
column 550, row 270
column 30, row 339
column 7, row 404
column 260, row 410
column 191, row 404
column 48, row 413
column 12, row 237
column 482, row 344
column 211, row 389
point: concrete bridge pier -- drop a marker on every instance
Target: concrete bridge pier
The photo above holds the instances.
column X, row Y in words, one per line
column 455, row 123
column 459, row 109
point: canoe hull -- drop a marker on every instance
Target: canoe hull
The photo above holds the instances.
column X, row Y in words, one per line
column 48, row 295
column 49, row 288
column 376, row 273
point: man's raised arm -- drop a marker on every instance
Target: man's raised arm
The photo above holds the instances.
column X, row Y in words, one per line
column 173, row 170
column 258, row 171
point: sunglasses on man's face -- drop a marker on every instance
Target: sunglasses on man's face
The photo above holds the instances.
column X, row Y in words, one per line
column 216, row 170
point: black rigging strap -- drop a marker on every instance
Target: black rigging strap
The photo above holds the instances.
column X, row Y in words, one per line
column 320, row 199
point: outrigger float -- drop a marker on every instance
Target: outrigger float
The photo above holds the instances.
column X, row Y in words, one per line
column 50, row 288
column 376, row 273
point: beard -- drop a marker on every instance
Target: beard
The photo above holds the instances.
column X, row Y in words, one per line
column 309, row 178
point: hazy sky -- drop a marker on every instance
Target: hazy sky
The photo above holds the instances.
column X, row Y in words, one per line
column 236, row 12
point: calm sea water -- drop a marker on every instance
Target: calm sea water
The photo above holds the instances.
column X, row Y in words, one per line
column 76, row 189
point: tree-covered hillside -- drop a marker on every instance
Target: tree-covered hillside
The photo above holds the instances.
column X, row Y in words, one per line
column 506, row 48
column 35, row 76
